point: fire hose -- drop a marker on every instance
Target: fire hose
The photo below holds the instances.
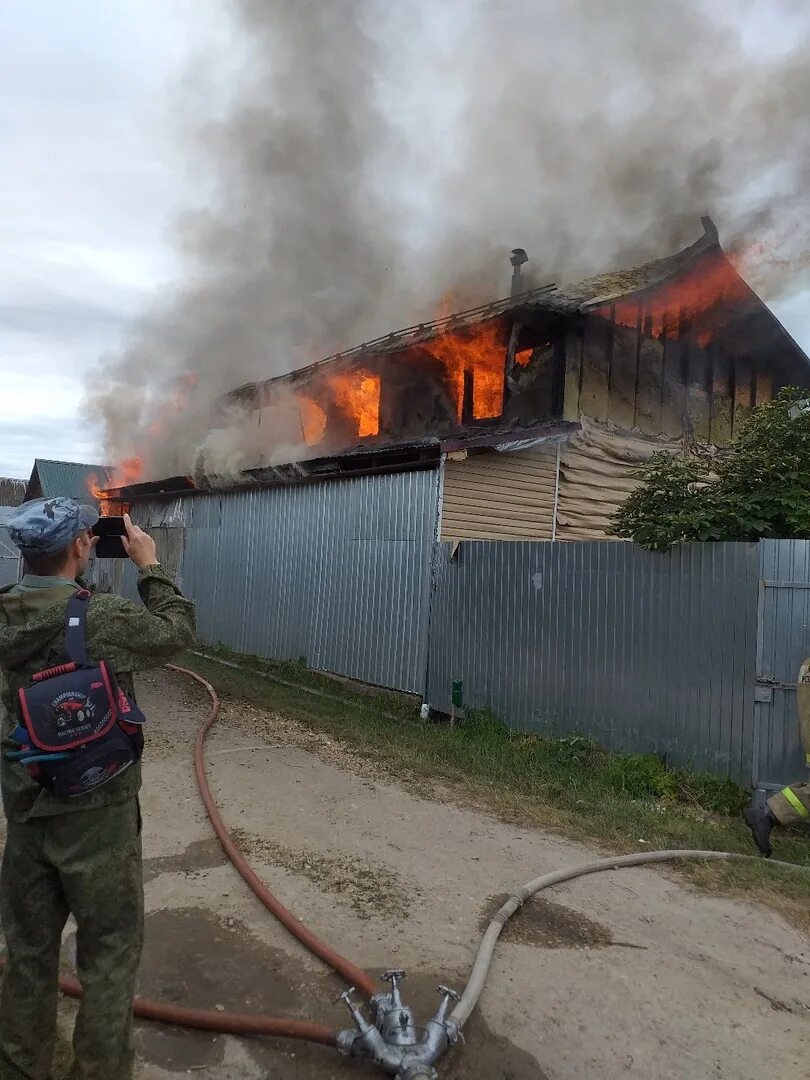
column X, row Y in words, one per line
column 393, row 1043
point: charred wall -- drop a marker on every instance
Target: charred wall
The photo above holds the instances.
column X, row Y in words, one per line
column 691, row 356
column 498, row 373
column 675, row 376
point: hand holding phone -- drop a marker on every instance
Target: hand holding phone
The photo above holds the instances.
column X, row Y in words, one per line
column 118, row 538
column 138, row 545
column 109, row 532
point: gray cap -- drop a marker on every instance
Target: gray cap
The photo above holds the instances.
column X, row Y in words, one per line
column 45, row 526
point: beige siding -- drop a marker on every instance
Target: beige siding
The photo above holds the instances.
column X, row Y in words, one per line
column 513, row 495
column 598, row 470
column 500, row 496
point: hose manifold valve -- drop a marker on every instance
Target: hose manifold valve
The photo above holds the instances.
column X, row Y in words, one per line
column 393, row 1042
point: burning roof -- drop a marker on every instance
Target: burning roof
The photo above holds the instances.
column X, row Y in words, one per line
column 720, row 280
column 402, row 339
column 568, row 299
column 499, row 363
column 504, row 369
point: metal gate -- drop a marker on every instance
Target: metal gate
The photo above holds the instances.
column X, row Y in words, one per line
column 783, row 643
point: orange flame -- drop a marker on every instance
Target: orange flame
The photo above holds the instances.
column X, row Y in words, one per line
column 479, row 350
column 126, row 472
column 313, row 420
column 702, row 298
column 357, row 394
column 129, row 471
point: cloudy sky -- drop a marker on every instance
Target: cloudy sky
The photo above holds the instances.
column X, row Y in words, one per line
column 92, row 184
column 90, row 187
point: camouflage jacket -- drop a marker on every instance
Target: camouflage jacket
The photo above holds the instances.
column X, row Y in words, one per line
column 129, row 637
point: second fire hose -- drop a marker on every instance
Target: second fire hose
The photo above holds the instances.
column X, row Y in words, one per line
column 392, row 1041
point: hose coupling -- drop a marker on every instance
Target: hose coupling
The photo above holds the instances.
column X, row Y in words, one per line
column 393, row 1042
column 360, row 1021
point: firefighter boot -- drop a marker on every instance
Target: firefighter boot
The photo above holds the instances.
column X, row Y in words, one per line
column 760, row 821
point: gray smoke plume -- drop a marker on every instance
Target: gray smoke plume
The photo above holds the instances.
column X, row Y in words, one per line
column 377, row 162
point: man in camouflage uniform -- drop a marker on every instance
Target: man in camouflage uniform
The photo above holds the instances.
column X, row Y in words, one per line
column 80, row 855
column 791, row 805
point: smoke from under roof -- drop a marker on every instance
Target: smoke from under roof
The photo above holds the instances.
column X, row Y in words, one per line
column 376, row 161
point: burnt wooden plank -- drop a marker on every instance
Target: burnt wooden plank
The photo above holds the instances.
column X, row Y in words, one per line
column 572, row 382
column 698, row 402
column 596, row 367
column 721, row 412
column 673, row 385
column 558, row 378
column 467, row 409
column 623, row 371
column 763, row 383
column 511, row 349
column 743, row 393
column 650, row 372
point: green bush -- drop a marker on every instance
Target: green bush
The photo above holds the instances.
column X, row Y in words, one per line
column 758, row 488
column 640, row 776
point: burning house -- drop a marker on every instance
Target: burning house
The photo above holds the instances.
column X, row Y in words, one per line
column 363, row 542
column 539, row 407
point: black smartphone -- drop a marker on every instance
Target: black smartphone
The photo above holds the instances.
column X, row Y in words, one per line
column 110, row 530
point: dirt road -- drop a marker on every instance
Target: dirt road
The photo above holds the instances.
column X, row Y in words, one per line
column 624, row 974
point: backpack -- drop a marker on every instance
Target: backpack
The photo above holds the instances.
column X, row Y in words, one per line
column 79, row 729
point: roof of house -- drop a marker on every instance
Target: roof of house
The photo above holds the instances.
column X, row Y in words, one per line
column 565, row 299
column 610, row 286
column 413, row 335
column 70, row 478
column 412, row 454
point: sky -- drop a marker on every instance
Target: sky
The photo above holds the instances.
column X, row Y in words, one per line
column 93, row 182
column 91, row 185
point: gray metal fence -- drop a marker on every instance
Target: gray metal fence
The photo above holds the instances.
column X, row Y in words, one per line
column 783, row 643
column 335, row 573
column 642, row 652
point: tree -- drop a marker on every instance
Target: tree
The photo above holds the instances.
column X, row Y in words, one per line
column 758, row 488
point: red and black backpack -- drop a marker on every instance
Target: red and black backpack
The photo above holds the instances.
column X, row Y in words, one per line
column 79, row 729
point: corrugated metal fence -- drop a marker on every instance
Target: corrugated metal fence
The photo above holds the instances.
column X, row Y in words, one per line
column 663, row 653
column 642, row 652
column 336, row 573
column 783, row 643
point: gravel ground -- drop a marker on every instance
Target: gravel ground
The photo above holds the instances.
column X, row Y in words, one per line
column 626, row 974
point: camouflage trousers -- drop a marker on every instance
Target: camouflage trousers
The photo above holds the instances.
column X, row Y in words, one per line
column 87, row 863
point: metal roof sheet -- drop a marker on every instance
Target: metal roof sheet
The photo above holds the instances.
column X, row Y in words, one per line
column 70, row 478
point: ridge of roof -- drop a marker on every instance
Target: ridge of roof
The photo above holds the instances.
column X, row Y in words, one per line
column 68, row 478
column 566, row 299
column 71, row 464
column 614, row 284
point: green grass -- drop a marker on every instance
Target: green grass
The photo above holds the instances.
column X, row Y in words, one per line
column 622, row 802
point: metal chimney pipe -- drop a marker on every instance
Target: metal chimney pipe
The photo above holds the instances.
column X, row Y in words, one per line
column 517, row 259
